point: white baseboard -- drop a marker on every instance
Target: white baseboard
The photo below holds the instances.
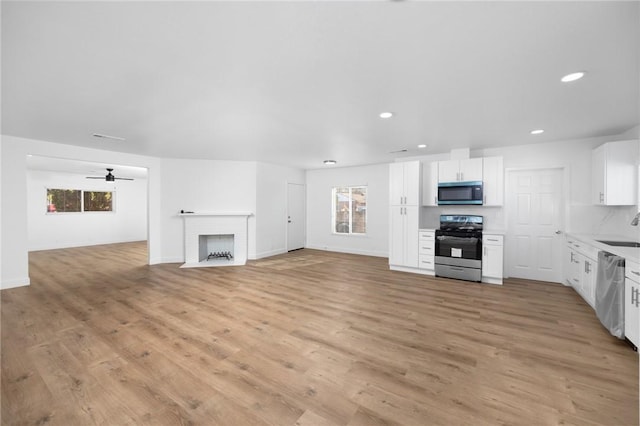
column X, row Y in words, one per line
column 267, row 254
column 169, row 260
column 349, row 251
column 16, row 282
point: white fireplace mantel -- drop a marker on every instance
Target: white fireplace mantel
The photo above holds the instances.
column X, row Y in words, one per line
column 199, row 224
column 215, row 214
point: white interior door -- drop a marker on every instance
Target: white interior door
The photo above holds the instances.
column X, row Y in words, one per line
column 535, row 219
column 295, row 216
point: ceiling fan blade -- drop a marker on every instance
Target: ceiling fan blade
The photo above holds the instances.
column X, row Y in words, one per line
column 123, row 178
column 95, row 177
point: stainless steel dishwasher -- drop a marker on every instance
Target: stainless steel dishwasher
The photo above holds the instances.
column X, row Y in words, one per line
column 610, row 293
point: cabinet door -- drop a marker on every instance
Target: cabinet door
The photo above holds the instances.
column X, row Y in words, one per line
column 430, row 184
column 412, row 182
column 412, row 235
column 470, row 170
column 614, row 173
column 572, row 271
column 492, row 260
column 598, row 172
column 620, row 173
column 448, row 171
column 396, row 183
column 589, row 281
column 493, row 181
column 631, row 316
column 396, row 237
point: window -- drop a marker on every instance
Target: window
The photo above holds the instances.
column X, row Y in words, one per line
column 96, row 201
column 63, row 200
column 76, row 200
column 350, row 210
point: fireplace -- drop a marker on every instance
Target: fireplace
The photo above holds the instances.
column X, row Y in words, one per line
column 215, row 239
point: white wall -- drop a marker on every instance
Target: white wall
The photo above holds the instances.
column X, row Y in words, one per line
column 319, row 186
column 15, row 236
column 574, row 156
column 128, row 221
column 271, row 207
column 581, row 216
column 206, row 186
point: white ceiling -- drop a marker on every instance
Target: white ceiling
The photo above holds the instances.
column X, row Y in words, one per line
column 296, row 83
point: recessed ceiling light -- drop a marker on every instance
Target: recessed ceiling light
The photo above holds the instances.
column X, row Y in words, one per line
column 330, row 162
column 116, row 138
column 537, row 132
column 422, row 145
column 572, row 77
column 386, row 114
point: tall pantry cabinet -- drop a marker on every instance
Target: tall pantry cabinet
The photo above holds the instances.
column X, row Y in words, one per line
column 404, row 191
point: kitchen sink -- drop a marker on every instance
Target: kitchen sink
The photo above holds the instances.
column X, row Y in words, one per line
column 620, row 243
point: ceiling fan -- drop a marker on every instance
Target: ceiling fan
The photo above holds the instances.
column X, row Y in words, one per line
column 109, row 177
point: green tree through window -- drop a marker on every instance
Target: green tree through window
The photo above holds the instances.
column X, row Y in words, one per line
column 76, row 200
column 95, row 201
column 63, row 200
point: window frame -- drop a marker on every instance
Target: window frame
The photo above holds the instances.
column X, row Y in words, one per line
column 82, row 207
column 334, row 223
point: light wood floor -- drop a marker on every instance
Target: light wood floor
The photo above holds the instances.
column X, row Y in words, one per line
column 307, row 338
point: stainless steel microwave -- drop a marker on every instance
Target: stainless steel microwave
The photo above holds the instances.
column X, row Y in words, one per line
column 460, row 193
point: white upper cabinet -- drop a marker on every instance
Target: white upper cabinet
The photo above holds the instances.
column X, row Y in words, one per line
column 430, row 184
column 465, row 170
column 404, row 181
column 493, row 181
column 614, row 173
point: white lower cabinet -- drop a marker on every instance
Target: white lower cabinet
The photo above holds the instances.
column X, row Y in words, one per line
column 404, row 236
column 581, row 266
column 632, row 302
column 426, row 250
column 492, row 258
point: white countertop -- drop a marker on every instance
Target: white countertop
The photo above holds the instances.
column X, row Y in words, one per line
column 631, row 253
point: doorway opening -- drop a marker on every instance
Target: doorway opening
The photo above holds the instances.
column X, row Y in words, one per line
column 75, row 203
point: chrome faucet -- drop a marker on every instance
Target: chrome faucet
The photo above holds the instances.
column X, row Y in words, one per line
column 634, row 222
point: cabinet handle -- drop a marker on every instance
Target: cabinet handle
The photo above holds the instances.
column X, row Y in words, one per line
column 571, row 257
column 435, row 200
column 461, row 176
column 492, row 239
column 485, row 251
column 484, row 200
column 634, row 296
column 637, row 298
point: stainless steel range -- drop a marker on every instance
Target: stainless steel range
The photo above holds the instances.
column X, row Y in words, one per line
column 459, row 247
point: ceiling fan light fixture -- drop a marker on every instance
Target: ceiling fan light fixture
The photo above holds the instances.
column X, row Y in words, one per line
column 573, row 76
